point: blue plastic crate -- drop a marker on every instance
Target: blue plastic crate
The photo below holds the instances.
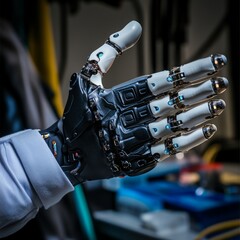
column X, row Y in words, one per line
column 205, row 207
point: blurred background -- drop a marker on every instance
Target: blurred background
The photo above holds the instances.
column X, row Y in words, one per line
column 190, row 196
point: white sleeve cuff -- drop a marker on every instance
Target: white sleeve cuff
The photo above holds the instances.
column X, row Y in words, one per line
column 44, row 172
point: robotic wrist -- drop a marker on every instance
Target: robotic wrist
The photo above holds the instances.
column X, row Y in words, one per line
column 55, row 141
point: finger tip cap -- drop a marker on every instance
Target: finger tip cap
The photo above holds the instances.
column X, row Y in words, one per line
column 128, row 36
column 135, row 26
column 224, row 82
column 219, row 60
column 220, row 84
column 209, row 130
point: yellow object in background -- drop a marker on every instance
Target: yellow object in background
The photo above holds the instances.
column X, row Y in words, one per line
column 42, row 50
column 211, row 153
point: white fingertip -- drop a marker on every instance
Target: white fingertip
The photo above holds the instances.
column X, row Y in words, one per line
column 128, row 36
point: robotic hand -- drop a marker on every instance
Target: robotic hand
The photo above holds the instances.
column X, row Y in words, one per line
column 130, row 128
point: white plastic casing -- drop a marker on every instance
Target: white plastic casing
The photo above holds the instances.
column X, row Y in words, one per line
column 193, row 71
column 184, row 143
column 106, row 54
column 128, row 36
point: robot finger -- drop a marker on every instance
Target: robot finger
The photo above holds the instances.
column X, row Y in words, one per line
column 182, row 143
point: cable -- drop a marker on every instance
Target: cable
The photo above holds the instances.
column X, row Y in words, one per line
column 218, row 227
column 210, row 154
column 83, row 213
column 227, row 235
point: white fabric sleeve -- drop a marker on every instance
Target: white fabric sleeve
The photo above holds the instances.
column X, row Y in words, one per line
column 30, row 178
